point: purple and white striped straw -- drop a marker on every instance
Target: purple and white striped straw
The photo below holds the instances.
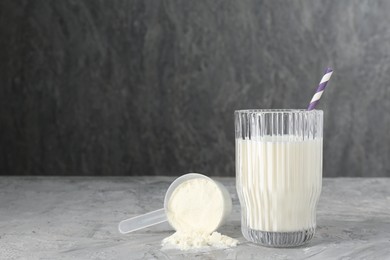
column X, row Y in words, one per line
column 320, row 89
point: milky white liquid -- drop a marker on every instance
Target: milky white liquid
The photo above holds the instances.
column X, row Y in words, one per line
column 279, row 182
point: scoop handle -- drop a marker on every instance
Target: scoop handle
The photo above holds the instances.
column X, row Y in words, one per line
column 142, row 221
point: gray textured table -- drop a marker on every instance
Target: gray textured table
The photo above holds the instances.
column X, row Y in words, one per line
column 77, row 217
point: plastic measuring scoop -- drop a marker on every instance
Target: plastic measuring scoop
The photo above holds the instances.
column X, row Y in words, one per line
column 159, row 216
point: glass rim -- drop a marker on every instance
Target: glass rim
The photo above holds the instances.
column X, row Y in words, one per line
column 271, row 111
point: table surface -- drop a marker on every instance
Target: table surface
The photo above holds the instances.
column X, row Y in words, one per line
column 77, row 217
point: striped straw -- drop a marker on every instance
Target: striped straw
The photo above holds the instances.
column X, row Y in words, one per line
column 320, row 89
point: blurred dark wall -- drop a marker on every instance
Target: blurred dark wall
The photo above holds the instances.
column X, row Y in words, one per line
column 149, row 87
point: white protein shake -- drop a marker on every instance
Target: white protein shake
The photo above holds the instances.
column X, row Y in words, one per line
column 279, row 181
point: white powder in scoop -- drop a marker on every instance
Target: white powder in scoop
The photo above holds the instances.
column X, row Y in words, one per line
column 196, row 205
column 195, row 210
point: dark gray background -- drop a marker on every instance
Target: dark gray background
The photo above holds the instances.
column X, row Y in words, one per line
column 149, row 87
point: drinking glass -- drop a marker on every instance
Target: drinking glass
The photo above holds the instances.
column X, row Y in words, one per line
column 278, row 174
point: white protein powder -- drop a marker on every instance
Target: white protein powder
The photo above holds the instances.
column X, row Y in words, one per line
column 193, row 240
column 195, row 210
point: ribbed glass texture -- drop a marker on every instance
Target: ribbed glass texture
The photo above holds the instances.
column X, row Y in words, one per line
column 278, row 174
